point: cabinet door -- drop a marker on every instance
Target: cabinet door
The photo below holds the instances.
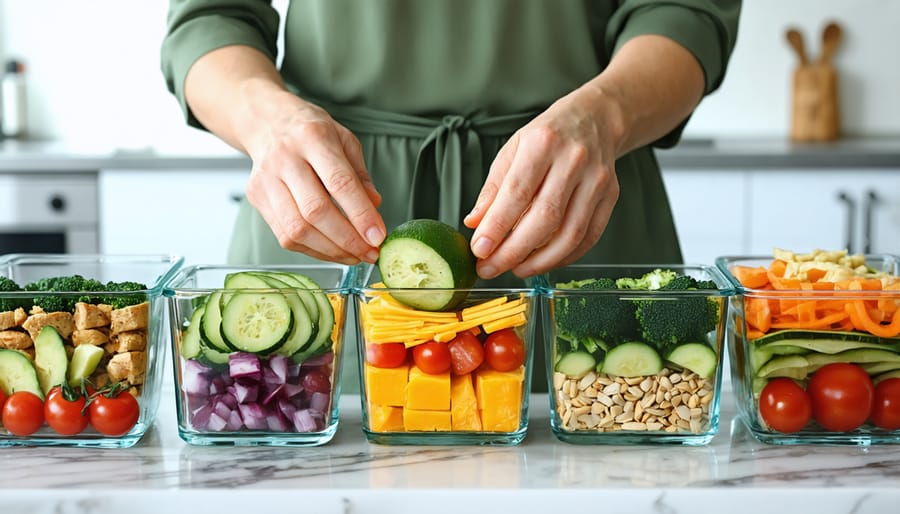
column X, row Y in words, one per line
column 183, row 212
column 709, row 210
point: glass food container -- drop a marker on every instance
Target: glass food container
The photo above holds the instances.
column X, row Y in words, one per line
column 110, row 332
column 634, row 353
column 814, row 341
column 459, row 377
column 257, row 353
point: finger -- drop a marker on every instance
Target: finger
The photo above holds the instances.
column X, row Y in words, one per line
column 499, row 168
column 516, row 193
column 572, row 243
column 354, row 153
column 541, row 220
column 341, row 181
column 318, row 211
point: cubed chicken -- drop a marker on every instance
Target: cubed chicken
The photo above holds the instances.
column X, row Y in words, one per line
column 15, row 340
column 90, row 316
column 61, row 321
column 89, row 336
column 127, row 366
column 136, row 340
column 134, row 317
column 12, row 319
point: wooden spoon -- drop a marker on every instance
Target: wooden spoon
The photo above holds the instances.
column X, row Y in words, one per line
column 831, row 38
column 796, row 41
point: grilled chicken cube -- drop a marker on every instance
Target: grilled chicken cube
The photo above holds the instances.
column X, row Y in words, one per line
column 61, row 321
column 128, row 366
column 135, row 340
column 89, row 336
column 15, row 340
column 134, row 317
column 90, row 316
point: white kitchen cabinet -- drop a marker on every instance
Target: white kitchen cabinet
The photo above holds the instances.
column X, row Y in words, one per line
column 802, row 210
column 184, row 212
column 709, row 208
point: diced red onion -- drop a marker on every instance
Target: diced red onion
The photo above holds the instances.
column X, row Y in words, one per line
column 234, row 421
column 200, row 417
column 321, row 360
column 245, row 391
column 276, row 422
column 217, row 385
column 244, row 365
column 216, row 423
column 287, row 408
column 303, row 421
column 194, row 378
column 228, row 400
column 279, row 365
column 253, row 415
column 291, row 390
column 319, row 402
column 272, row 393
column 221, row 409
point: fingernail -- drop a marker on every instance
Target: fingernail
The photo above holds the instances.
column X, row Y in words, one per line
column 371, row 256
column 482, row 247
column 487, row 271
column 375, row 236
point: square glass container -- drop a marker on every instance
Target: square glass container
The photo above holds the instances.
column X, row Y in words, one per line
column 634, row 366
column 257, row 353
column 132, row 338
column 457, row 377
column 788, row 329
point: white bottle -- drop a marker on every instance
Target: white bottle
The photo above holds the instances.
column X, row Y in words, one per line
column 15, row 114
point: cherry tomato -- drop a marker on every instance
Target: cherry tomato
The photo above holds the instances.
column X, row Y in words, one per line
column 23, row 413
column 317, row 381
column 886, row 408
column 113, row 414
column 64, row 411
column 466, row 353
column 784, row 405
column 2, row 398
column 432, row 357
column 842, row 395
column 386, row 355
column 504, row 351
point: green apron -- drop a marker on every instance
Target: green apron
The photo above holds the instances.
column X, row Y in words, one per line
column 434, row 168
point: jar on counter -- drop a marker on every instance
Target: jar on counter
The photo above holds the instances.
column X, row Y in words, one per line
column 14, row 107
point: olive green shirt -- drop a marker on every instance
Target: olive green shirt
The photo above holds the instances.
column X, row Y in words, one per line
column 433, row 88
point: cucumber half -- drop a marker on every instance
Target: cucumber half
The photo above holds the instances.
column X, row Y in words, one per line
column 256, row 322
column 50, row 359
column 696, row 357
column 632, row 360
column 428, row 254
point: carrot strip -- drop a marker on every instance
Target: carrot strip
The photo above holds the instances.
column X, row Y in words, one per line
column 820, row 323
column 871, row 326
column 751, row 277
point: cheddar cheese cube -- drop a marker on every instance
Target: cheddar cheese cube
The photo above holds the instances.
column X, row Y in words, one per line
column 386, row 386
column 463, row 405
column 385, row 418
column 426, row 420
column 428, row 392
column 499, row 397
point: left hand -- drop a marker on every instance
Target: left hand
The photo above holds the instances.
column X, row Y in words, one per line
column 551, row 189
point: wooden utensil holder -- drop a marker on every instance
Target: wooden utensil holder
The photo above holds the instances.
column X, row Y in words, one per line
column 815, row 114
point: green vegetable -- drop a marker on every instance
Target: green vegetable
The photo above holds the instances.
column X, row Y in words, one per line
column 632, row 360
column 576, row 364
column 669, row 322
column 120, row 301
column 50, row 359
column 17, row 373
column 593, row 320
column 11, row 304
column 651, row 281
column 79, row 284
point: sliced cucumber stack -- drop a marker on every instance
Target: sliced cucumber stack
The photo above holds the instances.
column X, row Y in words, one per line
column 256, row 322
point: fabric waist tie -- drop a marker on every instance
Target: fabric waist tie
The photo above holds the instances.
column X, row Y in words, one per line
column 450, row 145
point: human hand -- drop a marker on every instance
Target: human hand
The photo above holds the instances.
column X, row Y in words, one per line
column 550, row 190
column 310, row 184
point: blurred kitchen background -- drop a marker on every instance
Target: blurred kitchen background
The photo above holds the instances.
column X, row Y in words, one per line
column 98, row 115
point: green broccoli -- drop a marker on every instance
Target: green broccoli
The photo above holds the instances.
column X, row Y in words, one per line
column 63, row 284
column 119, row 301
column 649, row 281
column 670, row 322
column 8, row 285
column 594, row 321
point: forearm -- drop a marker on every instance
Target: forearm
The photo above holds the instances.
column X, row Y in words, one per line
column 654, row 84
column 232, row 91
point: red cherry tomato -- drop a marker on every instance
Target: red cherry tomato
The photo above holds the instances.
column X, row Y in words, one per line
column 784, row 406
column 23, row 413
column 504, row 351
column 114, row 414
column 842, row 395
column 432, row 357
column 466, row 353
column 2, row 398
column 386, row 355
column 317, row 381
column 886, row 408
column 64, row 411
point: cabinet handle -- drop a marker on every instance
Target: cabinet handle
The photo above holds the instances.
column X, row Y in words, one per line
column 869, row 203
column 851, row 218
column 237, row 197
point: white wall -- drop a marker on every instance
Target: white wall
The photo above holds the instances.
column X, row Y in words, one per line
column 93, row 70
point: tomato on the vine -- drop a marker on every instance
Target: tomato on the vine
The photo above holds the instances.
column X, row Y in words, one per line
column 504, row 350
column 784, row 406
column 886, row 407
column 113, row 413
column 432, row 357
column 386, row 355
column 23, row 413
column 466, row 353
column 842, row 395
column 64, row 411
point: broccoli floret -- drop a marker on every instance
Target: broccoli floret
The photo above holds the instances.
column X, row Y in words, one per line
column 650, row 281
column 124, row 300
column 8, row 285
column 671, row 322
column 79, row 284
column 594, row 320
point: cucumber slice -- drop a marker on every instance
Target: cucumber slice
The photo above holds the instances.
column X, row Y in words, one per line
column 211, row 322
column 256, row 322
column 190, row 338
column 211, row 357
column 425, row 253
column 576, row 364
column 304, row 328
column 85, row 360
column 18, row 374
column 632, row 360
column 50, row 359
column 793, row 335
column 790, row 366
column 325, row 311
column 697, row 357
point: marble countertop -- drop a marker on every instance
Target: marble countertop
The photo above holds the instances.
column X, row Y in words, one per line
column 350, row 475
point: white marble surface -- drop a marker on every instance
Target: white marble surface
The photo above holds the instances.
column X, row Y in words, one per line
column 734, row 474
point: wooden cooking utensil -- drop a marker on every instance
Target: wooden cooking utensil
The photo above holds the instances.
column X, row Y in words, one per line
column 814, row 107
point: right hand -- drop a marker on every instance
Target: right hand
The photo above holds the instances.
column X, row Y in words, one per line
column 310, row 184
